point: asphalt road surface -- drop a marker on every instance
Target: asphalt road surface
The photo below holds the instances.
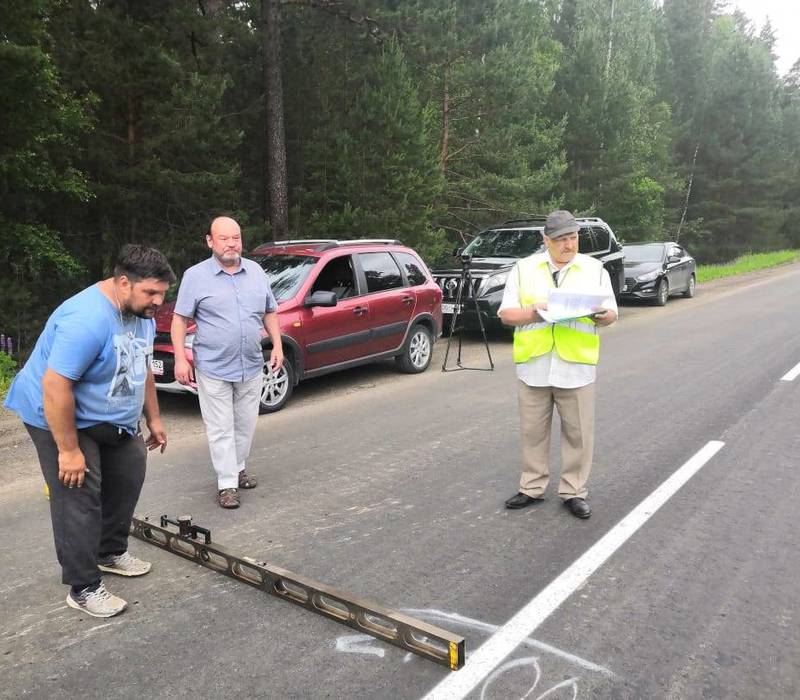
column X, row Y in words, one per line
column 683, row 584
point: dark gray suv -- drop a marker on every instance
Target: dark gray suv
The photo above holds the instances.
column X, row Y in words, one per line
column 494, row 252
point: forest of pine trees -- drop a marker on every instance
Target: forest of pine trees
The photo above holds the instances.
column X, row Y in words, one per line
column 425, row 120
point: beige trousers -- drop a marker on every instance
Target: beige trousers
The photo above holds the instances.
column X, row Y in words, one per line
column 576, row 409
column 230, row 413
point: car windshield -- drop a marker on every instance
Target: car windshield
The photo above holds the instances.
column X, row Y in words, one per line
column 286, row 272
column 651, row 252
column 505, row 243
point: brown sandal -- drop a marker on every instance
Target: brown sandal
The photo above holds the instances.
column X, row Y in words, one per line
column 246, row 481
column 228, row 498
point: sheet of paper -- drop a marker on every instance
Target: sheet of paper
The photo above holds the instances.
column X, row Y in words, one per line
column 569, row 304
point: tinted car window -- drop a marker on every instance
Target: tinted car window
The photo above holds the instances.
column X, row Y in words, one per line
column 653, row 252
column 602, row 237
column 381, row 271
column 411, row 266
column 337, row 277
column 585, row 242
column 285, row 272
column 505, row 243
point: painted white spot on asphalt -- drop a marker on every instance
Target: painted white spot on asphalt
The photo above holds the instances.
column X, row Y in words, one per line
column 509, row 636
column 792, row 374
column 358, row 644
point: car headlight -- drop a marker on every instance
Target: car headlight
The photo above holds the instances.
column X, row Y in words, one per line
column 494, row 281
column 188, row 340
column 648, row 276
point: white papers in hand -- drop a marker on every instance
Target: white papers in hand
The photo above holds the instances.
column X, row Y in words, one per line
column 569, row 304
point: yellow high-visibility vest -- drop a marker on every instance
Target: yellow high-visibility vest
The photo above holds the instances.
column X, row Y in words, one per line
column 574, row 341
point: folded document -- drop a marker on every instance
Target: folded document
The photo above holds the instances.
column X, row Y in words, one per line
column 569, row 304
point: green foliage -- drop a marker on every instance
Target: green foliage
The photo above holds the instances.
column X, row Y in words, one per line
column 8, row 367
column 423, row 120
column 747, row 263
column 42, row 123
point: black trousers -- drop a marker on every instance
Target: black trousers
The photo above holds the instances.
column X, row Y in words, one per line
column 93, row 521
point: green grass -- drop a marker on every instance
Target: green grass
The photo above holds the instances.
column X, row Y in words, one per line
column 746, row 263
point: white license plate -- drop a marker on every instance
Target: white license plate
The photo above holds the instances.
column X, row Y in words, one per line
column 157, row 366
column 448, row 308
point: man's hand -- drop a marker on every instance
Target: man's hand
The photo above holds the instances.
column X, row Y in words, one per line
column 276, row 359
column 158, row 436
column 72, row 467
column 604, row 317
column 183, row 372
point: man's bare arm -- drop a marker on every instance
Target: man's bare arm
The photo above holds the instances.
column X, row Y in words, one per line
column 522, row 316
column 152, row 415
column 59, row 411
column 183, row 370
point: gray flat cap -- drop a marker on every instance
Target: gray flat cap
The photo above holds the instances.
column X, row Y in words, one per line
column 560, row 223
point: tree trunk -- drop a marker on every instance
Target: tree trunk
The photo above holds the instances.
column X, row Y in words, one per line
column 131, row 139
column 445, row 122
column 275, row 184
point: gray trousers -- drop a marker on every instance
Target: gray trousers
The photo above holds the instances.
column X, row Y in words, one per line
column 576, row 409
column 92, row 522
column 230, row 413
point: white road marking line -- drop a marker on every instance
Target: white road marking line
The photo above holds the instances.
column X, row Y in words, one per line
column 792, row 374
column 457, row 686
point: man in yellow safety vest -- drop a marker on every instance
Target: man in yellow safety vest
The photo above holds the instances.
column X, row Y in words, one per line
column 556, row 362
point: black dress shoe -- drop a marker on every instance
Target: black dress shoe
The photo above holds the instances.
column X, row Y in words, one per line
column 521, row 500
column 578, row 507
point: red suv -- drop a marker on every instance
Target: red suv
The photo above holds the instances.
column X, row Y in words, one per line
column 340, row 304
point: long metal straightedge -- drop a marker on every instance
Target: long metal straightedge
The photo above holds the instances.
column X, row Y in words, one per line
column 181, row 537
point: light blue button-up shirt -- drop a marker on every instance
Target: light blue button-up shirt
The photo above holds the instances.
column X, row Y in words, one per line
column 229, row 311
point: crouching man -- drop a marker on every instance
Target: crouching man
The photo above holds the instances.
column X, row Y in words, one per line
column 80, row 396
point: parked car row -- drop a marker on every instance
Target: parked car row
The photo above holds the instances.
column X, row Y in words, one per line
column 347, row 303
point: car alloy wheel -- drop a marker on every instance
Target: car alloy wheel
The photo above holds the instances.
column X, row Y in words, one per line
column 417, row 352
column 663, row 293
column 277, row 387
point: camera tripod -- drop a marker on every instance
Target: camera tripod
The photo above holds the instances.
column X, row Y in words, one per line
column 465, row 283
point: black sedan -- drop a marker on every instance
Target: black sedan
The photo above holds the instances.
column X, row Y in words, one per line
column 656, row 271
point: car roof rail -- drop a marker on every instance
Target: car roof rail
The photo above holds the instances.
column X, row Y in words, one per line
column 301, row 241
column 536, row 217
column 371, row 241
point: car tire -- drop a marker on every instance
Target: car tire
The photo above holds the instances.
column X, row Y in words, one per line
column 689, row 293
column 417, row 351
column 277, row 387
column 662, row 294
column 616, row 287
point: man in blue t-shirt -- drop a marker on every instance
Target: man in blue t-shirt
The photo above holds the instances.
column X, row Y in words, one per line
column 80, row 395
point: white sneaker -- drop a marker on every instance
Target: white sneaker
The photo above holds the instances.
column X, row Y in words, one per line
column 97, row 603
column 124, row 564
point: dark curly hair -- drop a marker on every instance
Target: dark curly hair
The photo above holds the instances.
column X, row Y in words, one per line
column 138, row 262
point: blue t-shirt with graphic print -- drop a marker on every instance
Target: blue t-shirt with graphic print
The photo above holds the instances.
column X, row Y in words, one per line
column 107, row 358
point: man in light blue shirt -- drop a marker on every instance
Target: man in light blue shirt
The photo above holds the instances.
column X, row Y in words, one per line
column 230, row 300
column 80, row 395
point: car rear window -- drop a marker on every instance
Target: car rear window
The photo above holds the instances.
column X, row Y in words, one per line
column 381, row 271
column 412, row 268
column 286, row 273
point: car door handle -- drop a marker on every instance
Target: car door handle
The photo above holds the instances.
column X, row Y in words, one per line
column 360, row 310
column 408, row 300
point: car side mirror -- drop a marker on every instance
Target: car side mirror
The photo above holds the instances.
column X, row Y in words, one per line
column 674, row 258
column 321, row 298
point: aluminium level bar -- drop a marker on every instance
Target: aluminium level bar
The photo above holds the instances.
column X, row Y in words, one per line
column 194, row 543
